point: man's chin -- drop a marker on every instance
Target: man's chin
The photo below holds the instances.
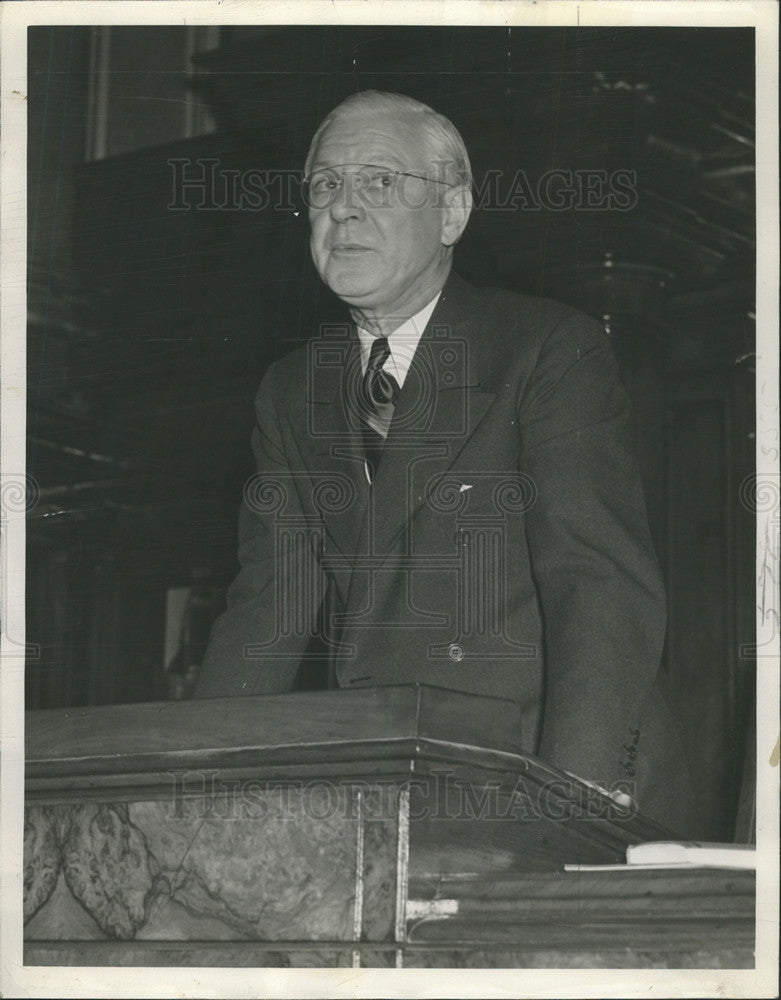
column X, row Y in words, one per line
column 350, row 286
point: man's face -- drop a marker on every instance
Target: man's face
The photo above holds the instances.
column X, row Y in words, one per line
column 378, row 257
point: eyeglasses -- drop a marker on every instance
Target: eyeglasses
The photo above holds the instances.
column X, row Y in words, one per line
column 376, row 185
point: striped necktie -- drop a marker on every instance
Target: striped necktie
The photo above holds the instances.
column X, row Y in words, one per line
column 380, row 390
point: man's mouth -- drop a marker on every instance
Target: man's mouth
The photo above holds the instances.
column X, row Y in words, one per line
column 349, row 248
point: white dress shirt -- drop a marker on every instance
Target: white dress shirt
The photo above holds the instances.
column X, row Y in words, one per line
column 402, row 342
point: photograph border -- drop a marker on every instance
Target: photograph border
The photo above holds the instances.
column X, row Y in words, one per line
column 21, row 981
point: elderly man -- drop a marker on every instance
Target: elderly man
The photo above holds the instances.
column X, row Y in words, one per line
column 446, row 492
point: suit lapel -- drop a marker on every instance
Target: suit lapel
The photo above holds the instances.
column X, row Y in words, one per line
column 330, row 444
column 440, row 406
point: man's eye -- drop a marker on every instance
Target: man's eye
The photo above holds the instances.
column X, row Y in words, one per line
column 321, row 185
column 382, row 180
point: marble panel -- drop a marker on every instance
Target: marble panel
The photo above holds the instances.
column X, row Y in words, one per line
column 63, row 917
column 108, row 867
column 41, row 858
column 218, row 955
column 239, row 864
column 278, row 866
column 379, row 867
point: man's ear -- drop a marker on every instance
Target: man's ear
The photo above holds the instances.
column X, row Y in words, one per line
column 456, row 209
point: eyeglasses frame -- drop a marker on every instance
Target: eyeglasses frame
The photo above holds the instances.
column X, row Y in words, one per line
column 364, row 166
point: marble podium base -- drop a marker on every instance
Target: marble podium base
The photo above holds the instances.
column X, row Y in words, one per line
column 342, row 829
column 278, row 864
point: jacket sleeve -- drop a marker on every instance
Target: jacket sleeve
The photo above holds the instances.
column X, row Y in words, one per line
column 600, row 590
column 254, row 648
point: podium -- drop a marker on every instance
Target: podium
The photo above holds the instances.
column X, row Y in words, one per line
column 377, row 827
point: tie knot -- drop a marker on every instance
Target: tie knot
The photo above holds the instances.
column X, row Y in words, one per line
column 379, row 387
column 379, row 354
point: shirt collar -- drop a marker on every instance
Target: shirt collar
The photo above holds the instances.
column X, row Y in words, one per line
column 403, row 342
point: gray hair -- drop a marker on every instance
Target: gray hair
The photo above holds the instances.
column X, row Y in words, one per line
column 443, row 139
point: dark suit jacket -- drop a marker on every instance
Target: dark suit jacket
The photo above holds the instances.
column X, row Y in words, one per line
column 503, row 548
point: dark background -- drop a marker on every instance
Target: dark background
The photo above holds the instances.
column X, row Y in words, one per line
column 150, row 327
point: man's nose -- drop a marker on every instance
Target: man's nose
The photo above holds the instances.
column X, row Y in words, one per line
column 346, row 203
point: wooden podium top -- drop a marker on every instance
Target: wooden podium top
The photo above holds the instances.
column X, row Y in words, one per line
column 341, row 726
column 369, row 734
column 363, row 715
